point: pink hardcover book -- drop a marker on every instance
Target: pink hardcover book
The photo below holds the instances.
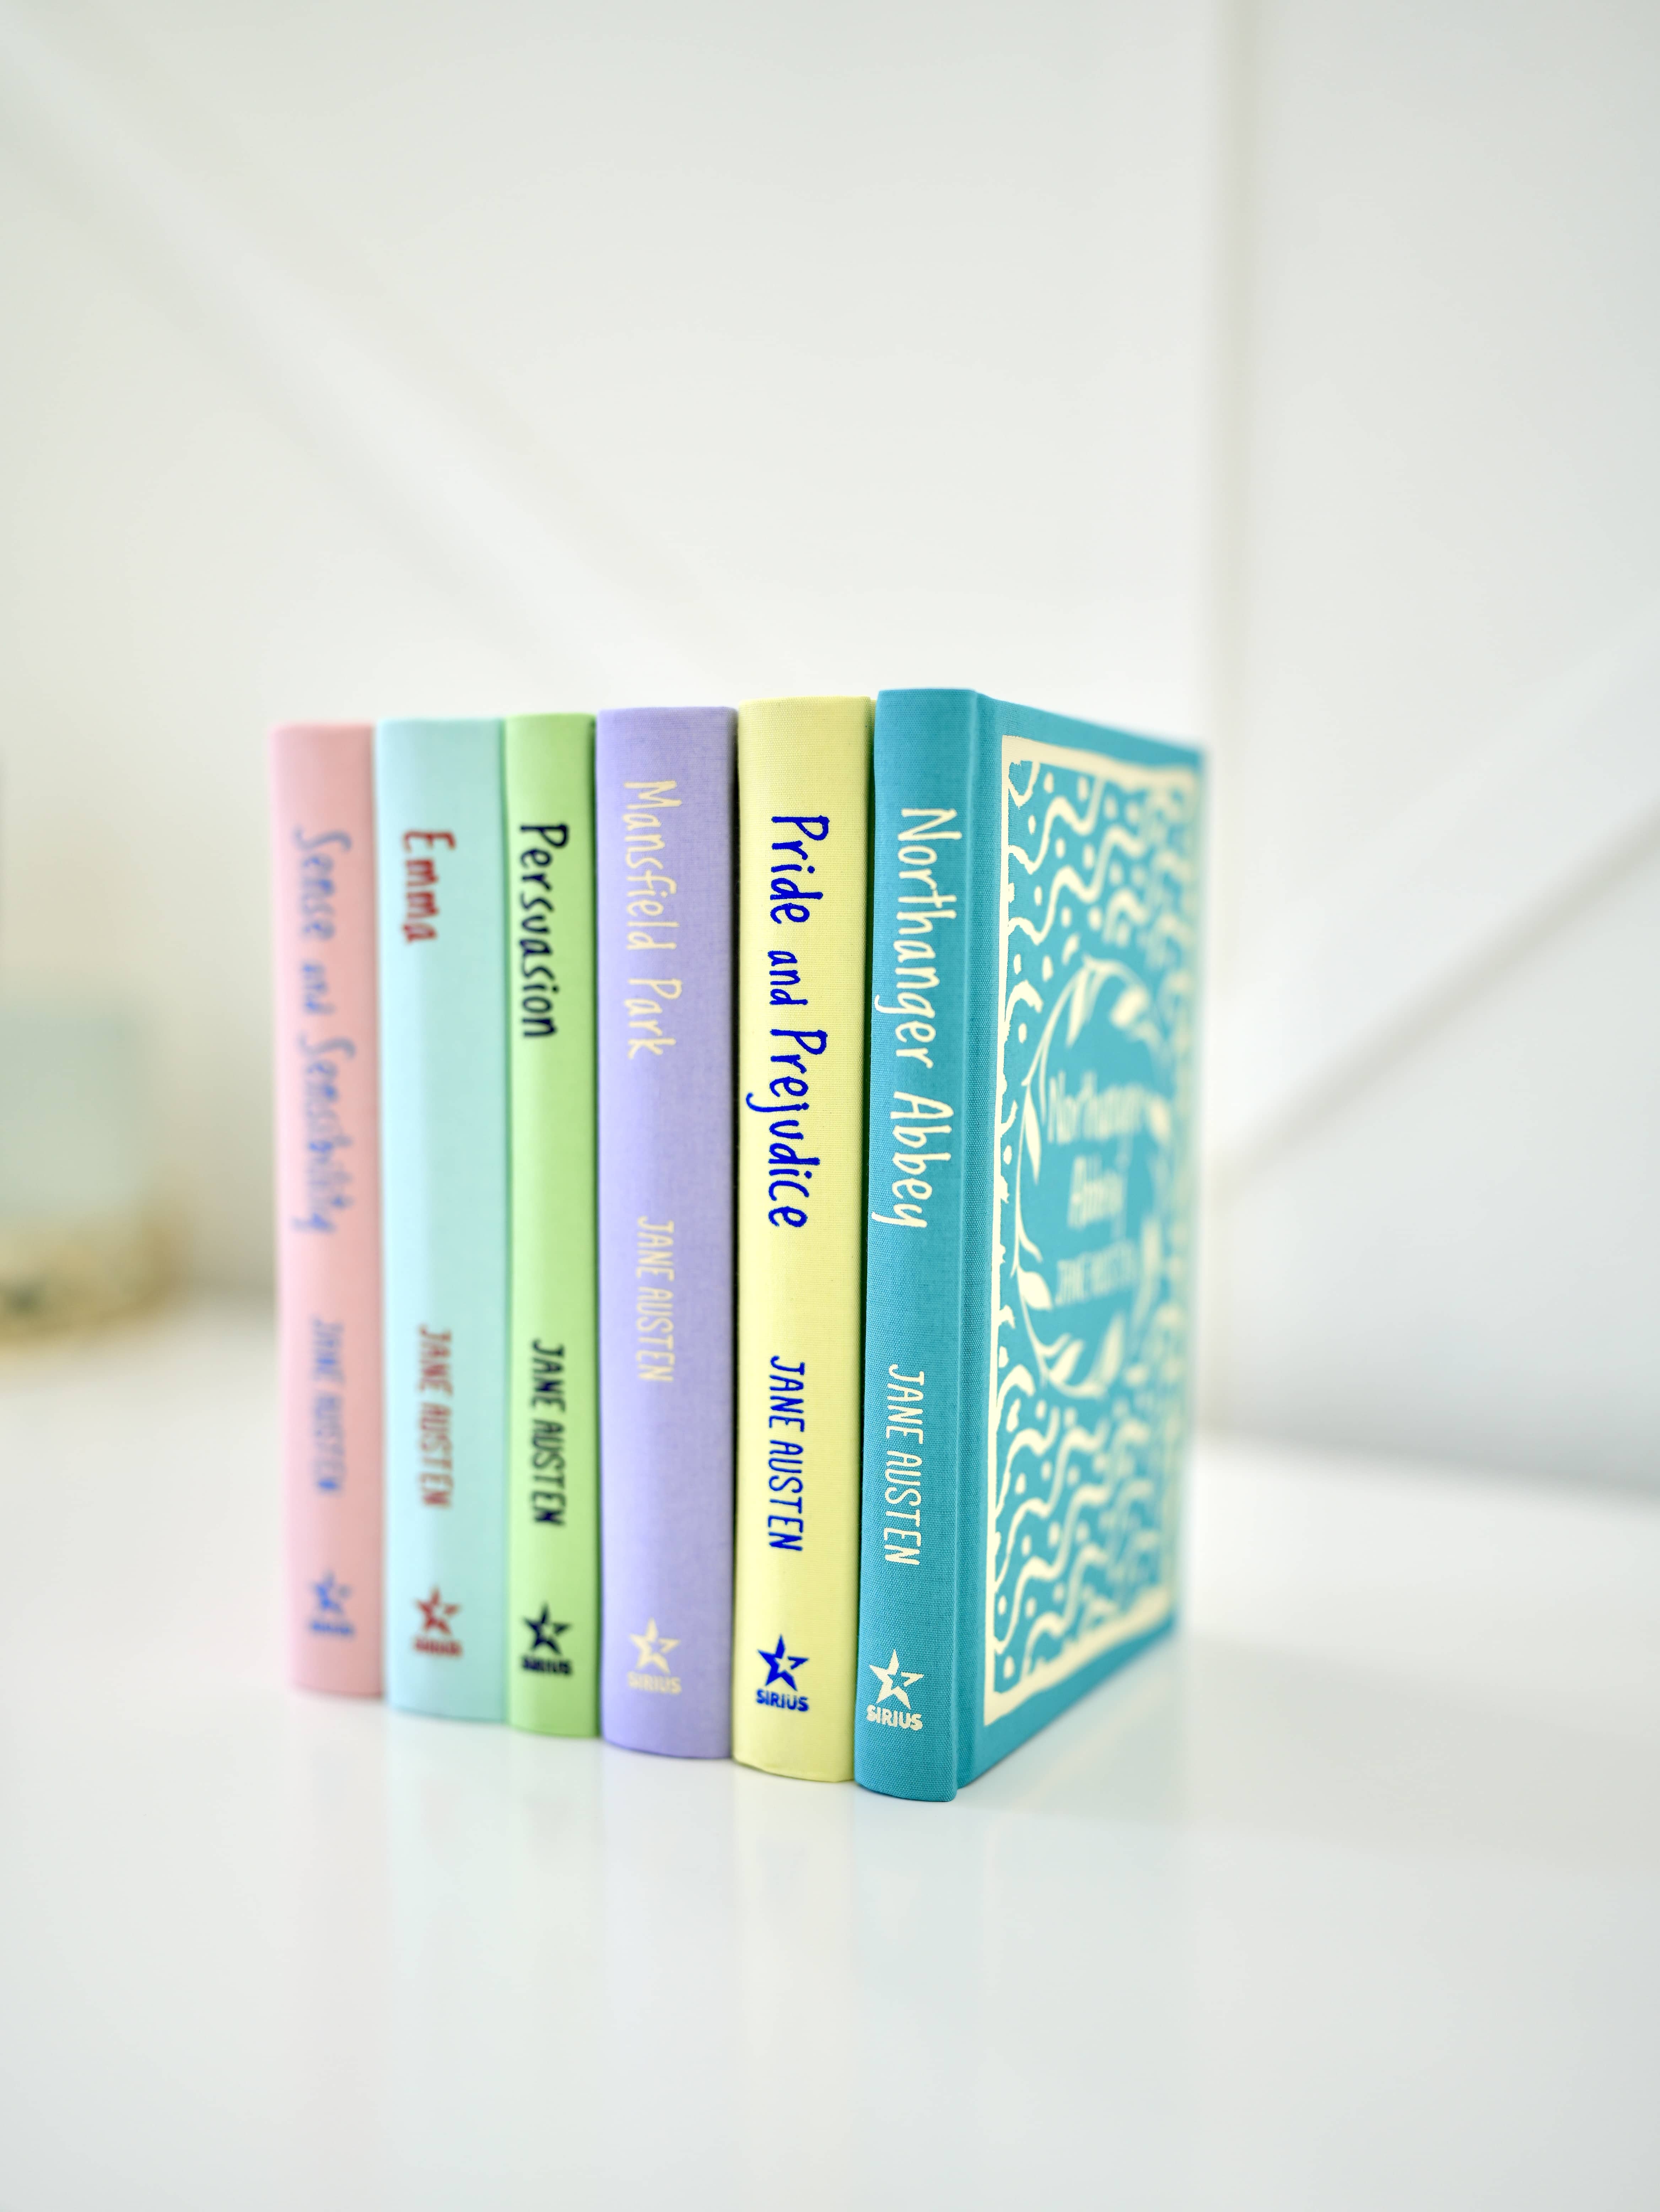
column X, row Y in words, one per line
column 327, row 1201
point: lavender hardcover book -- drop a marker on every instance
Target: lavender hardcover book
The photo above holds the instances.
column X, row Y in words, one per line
column 664, row 809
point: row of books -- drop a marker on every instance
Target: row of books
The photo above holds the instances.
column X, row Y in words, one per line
column 736, row 1208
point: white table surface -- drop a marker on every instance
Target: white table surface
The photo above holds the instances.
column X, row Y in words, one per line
column 1347, row 1898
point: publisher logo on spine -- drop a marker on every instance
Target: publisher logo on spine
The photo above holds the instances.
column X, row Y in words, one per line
column 895, row 1684
column 544, row 1656
column 652, row 1672
column 780, row 1689
column 329, row 1611
column 436, row 1635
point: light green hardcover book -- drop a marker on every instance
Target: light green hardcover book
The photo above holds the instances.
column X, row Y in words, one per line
column 803, row 850
column 553, row 1529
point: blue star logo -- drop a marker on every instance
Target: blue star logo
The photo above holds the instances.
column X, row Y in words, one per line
column 331, row 1595
column 780, row 1666
column 545, row 1632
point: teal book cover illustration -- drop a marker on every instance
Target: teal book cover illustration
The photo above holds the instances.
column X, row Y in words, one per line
column 1035, row 937
column 440, row 869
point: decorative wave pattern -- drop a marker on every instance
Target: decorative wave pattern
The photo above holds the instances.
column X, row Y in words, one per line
column 1093, row 1216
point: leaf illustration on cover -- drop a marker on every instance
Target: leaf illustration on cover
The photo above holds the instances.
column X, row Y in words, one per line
column 1133, row 1002
column 1032, row 1137
column 1152, row 1269
column 1081, row 1003
column 1034, row 1292
column 1108, row 1360
column 1064, row 1358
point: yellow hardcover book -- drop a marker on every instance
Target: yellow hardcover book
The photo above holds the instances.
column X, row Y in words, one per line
column 803, row 859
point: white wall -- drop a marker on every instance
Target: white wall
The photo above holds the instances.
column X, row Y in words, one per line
column 1435, row 1226
column 479, row 354
column 1283, row 368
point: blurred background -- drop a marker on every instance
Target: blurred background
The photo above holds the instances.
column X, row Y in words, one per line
column 1279, row 372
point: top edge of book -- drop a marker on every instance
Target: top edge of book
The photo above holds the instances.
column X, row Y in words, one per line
column 1041, row 722
column 576, row 719
column 806, row 699
column 707, row 711
column 301, row 729
column 438, row 726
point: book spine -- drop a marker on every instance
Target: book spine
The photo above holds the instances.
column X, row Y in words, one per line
column 906, row 1725
column 803, row 837
column 552, row 1530
column 663, row 852
column 328, row 1202
column 444, row 1158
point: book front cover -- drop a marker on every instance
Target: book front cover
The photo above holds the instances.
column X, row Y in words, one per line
column 1086, row 1324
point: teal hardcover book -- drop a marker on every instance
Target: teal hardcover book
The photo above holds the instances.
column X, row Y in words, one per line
column 1034, row 949
column 443, row 977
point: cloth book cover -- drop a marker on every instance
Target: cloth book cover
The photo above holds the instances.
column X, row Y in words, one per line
column 441, row 856
column 1035, row 936
column 327, row 1201
column 803, row 838
column 552, row 1426
column 663, row 850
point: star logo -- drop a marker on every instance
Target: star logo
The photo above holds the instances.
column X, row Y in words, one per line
column 435, row 1616
column 892, row 1688
column 781, row 1666
column 653, row 1648
column 545, row 1632
column 331, row 1595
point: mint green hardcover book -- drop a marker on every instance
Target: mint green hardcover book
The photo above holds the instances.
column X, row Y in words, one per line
column 443, row 1213
column 553, row 1529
